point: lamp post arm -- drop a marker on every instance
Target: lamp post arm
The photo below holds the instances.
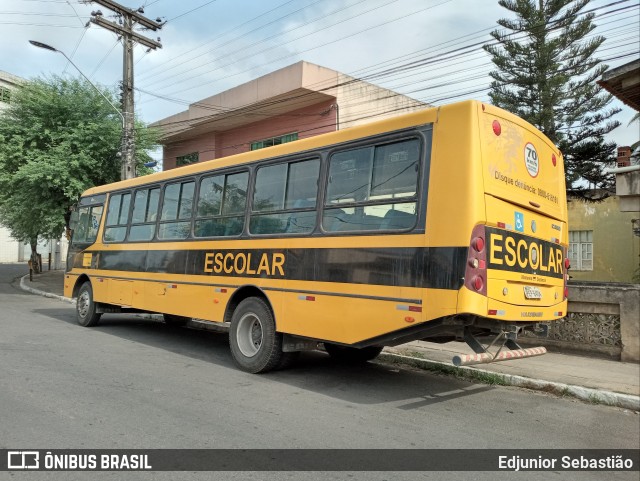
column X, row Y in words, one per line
column 96, row 88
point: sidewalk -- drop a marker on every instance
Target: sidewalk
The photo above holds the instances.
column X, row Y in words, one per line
column 588, row 378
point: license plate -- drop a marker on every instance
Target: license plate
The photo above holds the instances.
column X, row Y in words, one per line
column 531, row 292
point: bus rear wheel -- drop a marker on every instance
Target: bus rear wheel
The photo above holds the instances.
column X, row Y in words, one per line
column 255, row 345
column 352, row 354
column 86, row 307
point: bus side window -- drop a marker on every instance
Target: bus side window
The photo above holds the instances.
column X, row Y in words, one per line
column 373, row 188
column 285, row 196
column 117, row 217
column 86, row 229
column 221, row 205
column 177, row 208
column 145, row 211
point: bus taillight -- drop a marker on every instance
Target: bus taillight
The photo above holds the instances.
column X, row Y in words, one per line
column 476, row 271
column 478, row 244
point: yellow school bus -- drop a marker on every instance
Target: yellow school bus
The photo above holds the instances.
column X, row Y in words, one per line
column 448, row 223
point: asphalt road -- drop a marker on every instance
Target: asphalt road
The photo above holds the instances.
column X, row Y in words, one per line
column 135, row 383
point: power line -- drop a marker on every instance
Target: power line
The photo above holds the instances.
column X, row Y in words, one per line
column 192, row 10
column 455, row 94
column 236, row 60
column 252, row 31
column 412, row 65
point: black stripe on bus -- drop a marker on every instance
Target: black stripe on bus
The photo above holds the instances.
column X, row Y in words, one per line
column 422, row 267
column 273, row 289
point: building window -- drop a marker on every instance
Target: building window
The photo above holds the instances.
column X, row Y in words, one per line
column 581, row 250
column 5, row 95
column 191, row 158
column 282, row 139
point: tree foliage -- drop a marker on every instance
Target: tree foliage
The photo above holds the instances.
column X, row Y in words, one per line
column 58, row 138
column 546, row 73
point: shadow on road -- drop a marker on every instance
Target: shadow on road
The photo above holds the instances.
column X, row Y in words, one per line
column 315, row 371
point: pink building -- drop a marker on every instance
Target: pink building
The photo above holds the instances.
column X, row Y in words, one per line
column 296, row 102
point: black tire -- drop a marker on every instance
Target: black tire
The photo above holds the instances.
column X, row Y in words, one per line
column 175, row 321
column 352, row 354
column 255, row 345
column 86, row 307
column 288, row 358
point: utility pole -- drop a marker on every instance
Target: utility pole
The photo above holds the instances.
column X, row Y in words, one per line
column 130, row 18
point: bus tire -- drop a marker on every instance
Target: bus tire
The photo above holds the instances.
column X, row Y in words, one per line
column 175, row 321
column 288, row 358
column 255, row 345
column 86, row 314
column 352, row 354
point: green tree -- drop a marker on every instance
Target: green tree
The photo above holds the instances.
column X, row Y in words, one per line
column 58, row 137
column 546, row 73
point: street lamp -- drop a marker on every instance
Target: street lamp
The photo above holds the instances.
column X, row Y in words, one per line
column 127, row 146
column 49, row 47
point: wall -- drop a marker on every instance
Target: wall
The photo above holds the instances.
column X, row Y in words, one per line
column 602, row 319
column 616, row 250
column 9, row 247
column 308, row 121
column 205, row 145
column 361, row 102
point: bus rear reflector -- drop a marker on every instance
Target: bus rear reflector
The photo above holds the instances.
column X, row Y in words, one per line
column 554, row 161
column 497, row 128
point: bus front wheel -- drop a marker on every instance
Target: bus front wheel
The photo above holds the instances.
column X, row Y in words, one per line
column 255, row 345
column 352, row 354
column 85, row 307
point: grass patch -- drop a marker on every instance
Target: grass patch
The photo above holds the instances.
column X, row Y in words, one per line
column 439, row 368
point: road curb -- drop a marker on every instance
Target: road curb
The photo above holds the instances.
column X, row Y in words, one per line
column 595, row 396
column 25, row 287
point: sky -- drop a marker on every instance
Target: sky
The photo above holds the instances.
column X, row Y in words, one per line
column 209, row 46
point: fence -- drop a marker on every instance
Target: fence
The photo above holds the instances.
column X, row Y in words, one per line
column 602, row 318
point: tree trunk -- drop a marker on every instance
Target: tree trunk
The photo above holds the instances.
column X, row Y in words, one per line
column 35, row 259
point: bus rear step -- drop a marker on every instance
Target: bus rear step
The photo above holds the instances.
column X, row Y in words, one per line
column 483, row 355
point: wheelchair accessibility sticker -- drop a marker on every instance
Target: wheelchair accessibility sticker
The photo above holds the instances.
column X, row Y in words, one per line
column 519, row 222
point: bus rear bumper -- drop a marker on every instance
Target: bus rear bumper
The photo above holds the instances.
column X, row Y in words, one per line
column 503, row 347
column 487, row 357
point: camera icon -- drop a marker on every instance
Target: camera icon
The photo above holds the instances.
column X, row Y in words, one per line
column 23, row 460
